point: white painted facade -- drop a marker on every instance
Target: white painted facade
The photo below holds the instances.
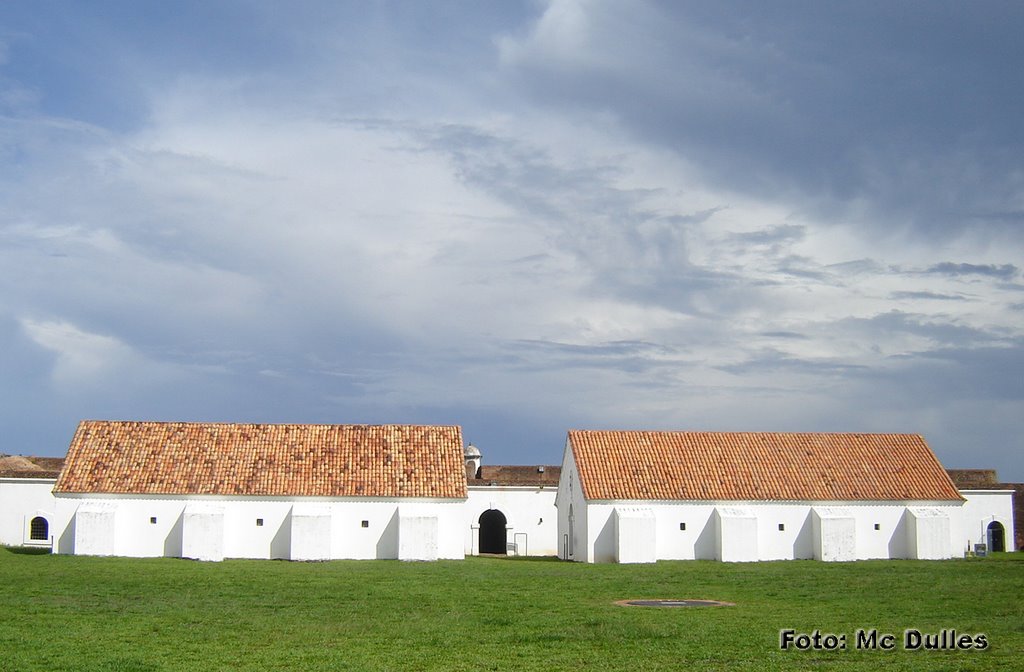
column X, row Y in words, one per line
column 21, row 500
column 634, row 526
column 307, row 535
column 532, row 519
column 303, row 530
column 213, row 528
column 540, row 520
column 202, row 531
column 752, row 531
column 736, row 538
column 982, row 509
column 744, row 531
column 834, row 534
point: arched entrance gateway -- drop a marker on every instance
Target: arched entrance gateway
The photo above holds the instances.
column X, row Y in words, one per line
column 996, row 537
column 492, row 532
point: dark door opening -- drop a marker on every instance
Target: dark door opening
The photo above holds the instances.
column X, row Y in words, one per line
column 492, row 532
column 996, row 537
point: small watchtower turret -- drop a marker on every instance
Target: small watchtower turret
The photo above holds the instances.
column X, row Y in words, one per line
column 472, row 455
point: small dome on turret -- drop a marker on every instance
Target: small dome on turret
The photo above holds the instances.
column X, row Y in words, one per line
column 472, row 456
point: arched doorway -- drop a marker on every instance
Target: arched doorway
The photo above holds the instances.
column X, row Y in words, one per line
column 492, row 532
column 996, row 537
column 39, row 529
column 570, row 550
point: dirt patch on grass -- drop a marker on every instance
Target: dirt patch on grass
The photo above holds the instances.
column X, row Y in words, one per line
column 673, row 603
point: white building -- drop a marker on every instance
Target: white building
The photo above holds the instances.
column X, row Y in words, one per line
column 646, row 496
column 988, row 512
column 316, row 492
column 510, row 509
column 26, row 501
column 303, row 492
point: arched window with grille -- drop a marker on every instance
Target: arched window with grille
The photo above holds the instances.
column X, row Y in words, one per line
column 39, row 529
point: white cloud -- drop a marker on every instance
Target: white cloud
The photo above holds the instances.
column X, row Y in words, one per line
column 87, row 360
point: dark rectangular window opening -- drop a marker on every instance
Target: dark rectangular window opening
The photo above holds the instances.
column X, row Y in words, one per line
column 782, row 527
column 259, row 522
column 877, row 526
column 152, row 520
column 682, row 526
column 366, row 523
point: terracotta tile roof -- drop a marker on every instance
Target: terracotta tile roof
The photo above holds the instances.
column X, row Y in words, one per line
column 759, row 466
column 285, row 460
column 546, row 475
column 20, row 466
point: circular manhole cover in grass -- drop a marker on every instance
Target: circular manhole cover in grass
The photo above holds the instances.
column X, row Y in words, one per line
column 674, row 603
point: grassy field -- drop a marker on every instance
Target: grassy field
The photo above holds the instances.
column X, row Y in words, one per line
column 81, row 613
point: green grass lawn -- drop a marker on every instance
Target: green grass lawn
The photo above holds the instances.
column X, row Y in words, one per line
column 82, row 613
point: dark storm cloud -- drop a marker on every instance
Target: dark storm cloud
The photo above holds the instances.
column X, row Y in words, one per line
column 785, row 334
column 777, row 362
column 696, row 217
column 627, row 251
column 992, row 374
column 614, row 348
column 945, row 332
column 627, row 356
column 928, row 296
column 785, row 233
column 1003, row 272
column 857, row 267
column 910, row 109
column 801, row 267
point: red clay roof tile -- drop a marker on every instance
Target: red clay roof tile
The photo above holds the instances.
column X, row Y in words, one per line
column 729, row 466
column 268, row 460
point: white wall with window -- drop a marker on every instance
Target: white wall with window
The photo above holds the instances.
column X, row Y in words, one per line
column 754, row 531
column 26, row 511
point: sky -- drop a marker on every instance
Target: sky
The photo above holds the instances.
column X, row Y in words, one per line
column 517, row 217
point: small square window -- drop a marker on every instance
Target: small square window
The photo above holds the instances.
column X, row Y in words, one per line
column 877, row 526
column 682, row 526
column 365, row 523
column 782, row 527
column 152, row 520
column 259, row 522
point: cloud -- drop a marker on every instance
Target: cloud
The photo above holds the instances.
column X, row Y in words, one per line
column 834, row 106
column 1004, row 271
column 927, row 296
column 533, row 217
column 783, row 233
column 935, row 331
column 784, row 334
column 88, row 360
column 634, row 357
